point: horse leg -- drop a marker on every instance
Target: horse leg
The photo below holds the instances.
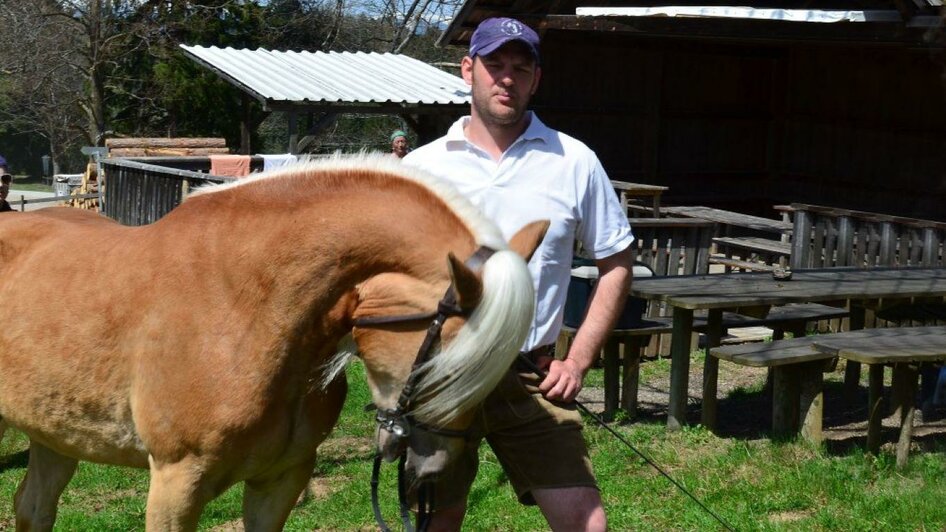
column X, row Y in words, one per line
column 176, row 496
column 268, row 501
column 37, row 497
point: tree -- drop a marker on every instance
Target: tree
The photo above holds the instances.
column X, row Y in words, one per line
column 40, row 90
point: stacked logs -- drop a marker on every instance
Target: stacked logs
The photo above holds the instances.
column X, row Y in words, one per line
column 89, row 186
column 165, row 147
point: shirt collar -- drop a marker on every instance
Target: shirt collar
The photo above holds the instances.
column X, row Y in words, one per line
column 536, row 130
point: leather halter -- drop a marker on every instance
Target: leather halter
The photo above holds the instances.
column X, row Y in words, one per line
column 398, row 420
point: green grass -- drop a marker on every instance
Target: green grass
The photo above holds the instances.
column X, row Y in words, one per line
column 753, row 484
column 23, row 182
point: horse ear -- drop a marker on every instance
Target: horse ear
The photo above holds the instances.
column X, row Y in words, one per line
column 528, row 238
column 468, row 286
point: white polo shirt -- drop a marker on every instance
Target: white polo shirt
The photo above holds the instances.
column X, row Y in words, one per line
column 544, row 174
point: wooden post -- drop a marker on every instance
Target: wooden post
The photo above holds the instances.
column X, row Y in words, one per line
column 845, row 253
column 679, row 367
column 909, row 374
column 852, row 370
column 811, row 400
column 801, row 239
column 714, row 332
column 610, row 378
column 631, row 380
column 784, row 401
column 875, row 410
column 293, row 133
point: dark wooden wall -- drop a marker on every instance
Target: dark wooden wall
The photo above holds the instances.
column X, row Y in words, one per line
column 747, row 126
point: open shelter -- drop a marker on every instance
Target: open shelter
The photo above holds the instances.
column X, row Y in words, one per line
column 322, row 85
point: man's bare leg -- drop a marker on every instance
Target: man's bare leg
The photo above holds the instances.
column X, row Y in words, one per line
column 572, row 508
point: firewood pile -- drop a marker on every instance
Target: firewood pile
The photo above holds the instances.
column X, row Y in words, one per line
column 89, row 185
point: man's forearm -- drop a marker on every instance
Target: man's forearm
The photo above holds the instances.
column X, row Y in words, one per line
column 606, row 304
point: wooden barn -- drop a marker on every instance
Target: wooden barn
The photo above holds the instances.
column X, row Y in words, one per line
column 745, row 108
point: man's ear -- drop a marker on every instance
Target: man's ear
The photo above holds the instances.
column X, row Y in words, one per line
column 527, row 239
column 466, row 69
column 535, row 81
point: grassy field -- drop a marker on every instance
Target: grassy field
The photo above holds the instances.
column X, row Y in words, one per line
column 751, row 482
column 23, row 182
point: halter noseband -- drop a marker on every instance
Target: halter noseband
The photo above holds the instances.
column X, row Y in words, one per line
column 398, row 420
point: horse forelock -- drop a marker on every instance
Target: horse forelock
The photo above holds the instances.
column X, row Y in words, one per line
column 344, row 170
column 471, row 365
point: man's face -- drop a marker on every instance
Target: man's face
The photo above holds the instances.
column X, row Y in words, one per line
column 502, row 83
column 399, row 146
column 4, row 190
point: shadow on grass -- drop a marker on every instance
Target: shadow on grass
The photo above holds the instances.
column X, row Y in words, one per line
column 747, row 414
column 15, row 461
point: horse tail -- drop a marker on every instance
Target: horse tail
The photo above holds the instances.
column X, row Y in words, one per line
column 467, row 369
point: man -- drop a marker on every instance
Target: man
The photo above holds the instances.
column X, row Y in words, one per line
column 5, row 181
column 399, row 146
column 517, row 170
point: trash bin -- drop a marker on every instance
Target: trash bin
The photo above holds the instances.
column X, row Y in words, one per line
column 63, row 184
column 582, row 283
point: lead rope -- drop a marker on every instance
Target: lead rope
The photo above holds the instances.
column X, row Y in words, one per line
column 538, row 371
column 424, row 499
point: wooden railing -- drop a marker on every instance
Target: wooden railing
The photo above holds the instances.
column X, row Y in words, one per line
column 136, row 193
column 825, row 237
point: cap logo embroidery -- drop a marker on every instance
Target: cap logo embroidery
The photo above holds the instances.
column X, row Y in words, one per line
column 511, row 27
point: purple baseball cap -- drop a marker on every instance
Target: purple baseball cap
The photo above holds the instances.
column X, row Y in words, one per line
column 495, row 32
column 3, row 162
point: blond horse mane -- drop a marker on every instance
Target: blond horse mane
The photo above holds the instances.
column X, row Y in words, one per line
column 468, row 368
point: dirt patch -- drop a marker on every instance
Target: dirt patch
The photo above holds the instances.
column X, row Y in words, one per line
column 345, row 448
column 230, row 526
column 320, row 488
column 788, row 517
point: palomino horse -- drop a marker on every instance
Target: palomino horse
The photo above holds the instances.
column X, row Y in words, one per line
column 205, row 346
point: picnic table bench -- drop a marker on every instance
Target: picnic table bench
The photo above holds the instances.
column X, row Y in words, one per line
column 727, row 291
column 902, row 348
column 797, row 366
column 621, row 380
column 628, row 190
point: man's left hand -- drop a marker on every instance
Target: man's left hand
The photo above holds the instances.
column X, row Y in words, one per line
column 562, row 381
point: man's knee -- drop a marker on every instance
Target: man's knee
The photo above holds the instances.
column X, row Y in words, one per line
column 576, row 508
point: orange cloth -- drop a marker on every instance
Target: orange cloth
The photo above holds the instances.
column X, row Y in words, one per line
column 230, row 165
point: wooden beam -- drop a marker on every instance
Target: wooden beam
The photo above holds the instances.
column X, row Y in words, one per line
column 878, row 33
column 386, row 108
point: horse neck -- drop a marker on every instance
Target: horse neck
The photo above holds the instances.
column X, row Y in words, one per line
column 300, row 259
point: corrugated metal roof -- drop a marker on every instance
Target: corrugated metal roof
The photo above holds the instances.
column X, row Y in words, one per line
column 333, row 77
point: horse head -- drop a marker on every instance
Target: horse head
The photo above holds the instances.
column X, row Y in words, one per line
column 434, row 350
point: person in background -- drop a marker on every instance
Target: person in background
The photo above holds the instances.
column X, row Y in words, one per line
column 399, row 144
column 517, row 170
column 5, row 181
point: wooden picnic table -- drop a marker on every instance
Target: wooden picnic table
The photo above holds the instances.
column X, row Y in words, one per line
column 902, row 348
column 749, row 292
column 633, row 190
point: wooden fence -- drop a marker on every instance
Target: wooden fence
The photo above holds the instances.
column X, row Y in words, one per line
column 825, row 237
column 136, row 193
